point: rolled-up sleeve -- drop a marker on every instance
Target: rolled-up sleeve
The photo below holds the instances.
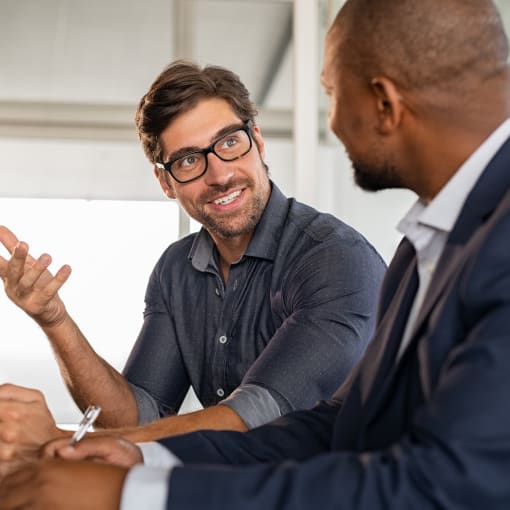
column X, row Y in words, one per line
column 330, row 298
column 254, row 404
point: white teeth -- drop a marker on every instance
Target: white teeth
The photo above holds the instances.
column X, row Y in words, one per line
column 227, row 199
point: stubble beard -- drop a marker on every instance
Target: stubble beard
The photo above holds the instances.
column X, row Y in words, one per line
column 239, row 222
column 376, row 178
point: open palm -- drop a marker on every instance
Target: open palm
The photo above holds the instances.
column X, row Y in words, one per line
column 29, row 283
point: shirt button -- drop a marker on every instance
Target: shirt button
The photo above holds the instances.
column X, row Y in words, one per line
column 222, row 339
column 220, row 392
column 217, row 291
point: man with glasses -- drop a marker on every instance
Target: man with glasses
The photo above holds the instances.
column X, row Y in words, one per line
column 262, row 312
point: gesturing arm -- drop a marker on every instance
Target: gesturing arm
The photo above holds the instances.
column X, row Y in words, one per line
column 31, row 286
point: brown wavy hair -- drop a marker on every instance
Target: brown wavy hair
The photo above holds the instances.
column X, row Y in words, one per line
column 178, row 89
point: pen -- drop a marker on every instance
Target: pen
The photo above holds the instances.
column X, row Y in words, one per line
column 89, row 417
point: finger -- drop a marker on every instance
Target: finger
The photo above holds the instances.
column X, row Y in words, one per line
column 97, row 448
column 16, row 266
column 54, row 285
column 7, row 238
column 52, row 448
column 33, row 273
column 12, row 392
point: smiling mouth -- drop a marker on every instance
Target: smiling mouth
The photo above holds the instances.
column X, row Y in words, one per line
column 228, row 198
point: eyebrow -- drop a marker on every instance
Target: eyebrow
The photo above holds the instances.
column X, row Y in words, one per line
column 183, row 151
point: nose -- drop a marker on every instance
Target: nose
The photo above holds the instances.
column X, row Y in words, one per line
column 218, row 172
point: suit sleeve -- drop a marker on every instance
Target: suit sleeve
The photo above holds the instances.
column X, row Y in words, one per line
column 455, row 453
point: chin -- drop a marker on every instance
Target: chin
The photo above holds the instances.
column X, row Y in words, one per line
column 372, row 178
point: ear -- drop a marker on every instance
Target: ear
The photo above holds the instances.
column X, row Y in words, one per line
column 166, row 186
column 257, row 136
column 390, row 107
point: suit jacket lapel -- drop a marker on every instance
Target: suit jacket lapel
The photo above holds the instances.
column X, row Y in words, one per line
column 397, row 296
column 481, row 202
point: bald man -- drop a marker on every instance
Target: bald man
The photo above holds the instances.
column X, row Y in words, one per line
column 420, row 96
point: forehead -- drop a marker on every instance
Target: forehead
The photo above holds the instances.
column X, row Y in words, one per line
column 332, row 58
column 198, row 127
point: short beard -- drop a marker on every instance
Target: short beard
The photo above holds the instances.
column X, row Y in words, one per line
column 225, row 230
column 223, row 227
column 376, row 178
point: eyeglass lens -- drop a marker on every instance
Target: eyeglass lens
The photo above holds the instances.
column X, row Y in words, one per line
column 227, row 148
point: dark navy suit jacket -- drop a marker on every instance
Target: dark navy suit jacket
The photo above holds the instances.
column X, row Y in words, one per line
column 429, row 432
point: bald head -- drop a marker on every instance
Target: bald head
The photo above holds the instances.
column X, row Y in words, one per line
column 422, row 44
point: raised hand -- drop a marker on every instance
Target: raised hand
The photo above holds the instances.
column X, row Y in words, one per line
column 29, row 284
column 101, row 448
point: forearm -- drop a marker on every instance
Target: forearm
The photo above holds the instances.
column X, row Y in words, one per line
column 89, row 378
column 218, row 417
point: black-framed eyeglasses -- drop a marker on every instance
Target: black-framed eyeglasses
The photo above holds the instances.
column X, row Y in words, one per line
column 229, row 147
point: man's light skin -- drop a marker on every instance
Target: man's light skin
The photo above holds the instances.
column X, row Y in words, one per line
column 30, row 285
column 25, row 423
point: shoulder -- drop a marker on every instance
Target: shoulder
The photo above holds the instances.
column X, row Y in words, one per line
column 176, row 255
column 488, row 272
column 323, row 231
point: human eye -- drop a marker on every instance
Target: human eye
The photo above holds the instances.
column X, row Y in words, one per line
column 229, row 142
column 188, row 162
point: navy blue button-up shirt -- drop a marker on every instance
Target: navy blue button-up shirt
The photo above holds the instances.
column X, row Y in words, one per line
column 293, row 318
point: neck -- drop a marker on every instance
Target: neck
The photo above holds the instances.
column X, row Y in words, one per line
column 231, row 251
column 446, row 140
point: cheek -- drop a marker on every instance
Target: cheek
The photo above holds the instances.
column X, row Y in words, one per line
column 331, row 113
column 334, row 121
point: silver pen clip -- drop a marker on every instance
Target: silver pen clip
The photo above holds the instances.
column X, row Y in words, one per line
column 89, row 417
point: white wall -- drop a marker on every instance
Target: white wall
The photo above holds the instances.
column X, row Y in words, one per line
column 112, row 247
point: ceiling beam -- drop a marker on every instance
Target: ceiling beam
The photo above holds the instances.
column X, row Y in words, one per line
column 89, row 121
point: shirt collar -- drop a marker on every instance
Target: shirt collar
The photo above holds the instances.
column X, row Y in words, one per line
column 442, row 212
column 263, row 244
column 266, row 238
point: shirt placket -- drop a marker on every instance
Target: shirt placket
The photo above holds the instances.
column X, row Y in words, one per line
column 222, row 338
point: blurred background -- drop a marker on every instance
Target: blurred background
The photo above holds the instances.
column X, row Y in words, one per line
column 74, row 181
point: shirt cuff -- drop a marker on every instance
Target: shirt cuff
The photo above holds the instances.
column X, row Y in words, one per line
column 148, row 409
column 146, row 485
column 155, row 455
column 254, row 404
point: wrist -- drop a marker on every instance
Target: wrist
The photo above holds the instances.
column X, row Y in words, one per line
column 56, row 322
